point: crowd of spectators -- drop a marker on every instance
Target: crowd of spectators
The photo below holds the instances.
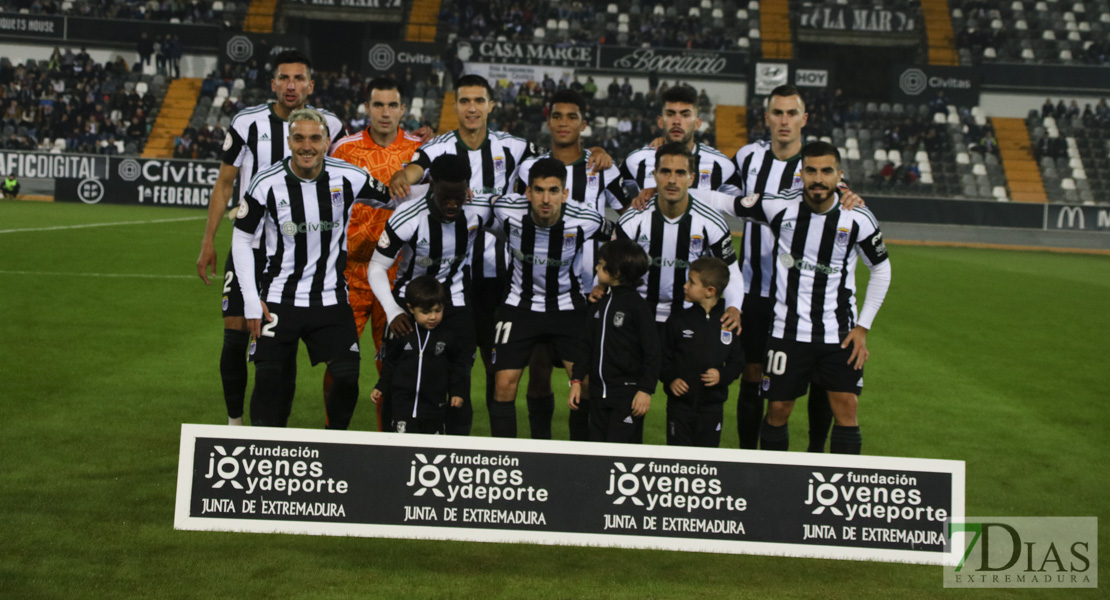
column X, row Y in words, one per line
column 1031, row 31
column 587, row 23
column 71, row 103
column 213, row 12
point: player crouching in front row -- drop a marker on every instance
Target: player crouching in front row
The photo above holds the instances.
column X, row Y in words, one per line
column 623, row 347
column 412, row 379
column 700, row 359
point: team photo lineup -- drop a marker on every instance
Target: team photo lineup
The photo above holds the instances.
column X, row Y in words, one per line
column 476, row 245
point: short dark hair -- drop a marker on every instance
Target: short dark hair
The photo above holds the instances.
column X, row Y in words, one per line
column 384, row 83
column 712, row 271
column 548, row 167
column 785, row 91
column 569, row 96
column 624, row 260
column 676, row 149
column 683, row 94
column 474, row 81
column 815, row 149
column 451, row 168
column 292, row 57
column 425, row 292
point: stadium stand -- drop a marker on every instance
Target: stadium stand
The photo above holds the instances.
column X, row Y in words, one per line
column 228, row 14
column 709, row 24
column 1072, row 150
column 76, row 105
column 1032, row 31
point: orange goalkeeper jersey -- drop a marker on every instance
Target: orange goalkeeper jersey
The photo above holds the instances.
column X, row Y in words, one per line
column 368, row 223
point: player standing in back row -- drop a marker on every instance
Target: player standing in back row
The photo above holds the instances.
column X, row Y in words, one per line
column 770, row 167
column 815, row 334
column 255, row 140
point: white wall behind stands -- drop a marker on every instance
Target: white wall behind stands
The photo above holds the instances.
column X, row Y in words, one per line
column 1019, row 105
column 192, row 65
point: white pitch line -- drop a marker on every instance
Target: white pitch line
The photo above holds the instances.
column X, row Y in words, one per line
column 138, row 275
column 86, row 225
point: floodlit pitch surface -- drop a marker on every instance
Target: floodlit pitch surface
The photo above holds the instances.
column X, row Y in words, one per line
column 110, row 342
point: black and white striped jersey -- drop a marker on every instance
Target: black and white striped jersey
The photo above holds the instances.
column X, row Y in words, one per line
column 543, row 258
column 587, row 189
column 815, row 276
column 672, row 245
column 428, row 245
column 491, row 171
column 758, row 171
column 258, row 138
column 306, row 233
column 714, row 169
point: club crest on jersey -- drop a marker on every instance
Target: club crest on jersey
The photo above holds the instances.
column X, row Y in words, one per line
column 499, row 164
column 440, row 347
column 766, row 383
column 797, row 180
column 841, row 237
column 726, row 337
column 697, row 242
column 254, row 346
column 618, row 319
column 400, row 426
column 703, row 180
column 471, row 233
column 224, row 304
column 591, row 182
column 569, row 241
column 337, row 196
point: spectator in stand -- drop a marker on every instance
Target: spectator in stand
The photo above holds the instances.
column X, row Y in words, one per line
column 145, row 49
column 614, row 91
column 626, row 89
column 938, row 104
column 590, row 89
column 1047, row 110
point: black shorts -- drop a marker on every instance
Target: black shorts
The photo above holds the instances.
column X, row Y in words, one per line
column 613, row 420
column 328, row 332
column 517, row 330
column 790, row 366
column 756, row 326
column 419, row 425
column 486, row 295
column 232, row 302
column 688, row 425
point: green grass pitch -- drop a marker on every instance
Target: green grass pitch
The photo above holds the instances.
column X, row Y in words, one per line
column 110, row 342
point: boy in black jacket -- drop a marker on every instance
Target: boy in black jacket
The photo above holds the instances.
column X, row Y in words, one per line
column 421, row 368
column 700, row 359
column 622, row 359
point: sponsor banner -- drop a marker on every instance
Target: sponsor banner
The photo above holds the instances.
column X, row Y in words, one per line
column 938, row 211
column 242, row 47
column 528, row 54
column 143, row 181
column 32, row 165
column 395, row 58
column 673, row 62
column 570, row 493
column 351, row 3
column 770, row 75
column 1056, row 79
column 518, row 74
column 1025, row 552
column 33, row 26
column 1077, row 218
column 921, row 83
column 857, row 20
column 807, row 74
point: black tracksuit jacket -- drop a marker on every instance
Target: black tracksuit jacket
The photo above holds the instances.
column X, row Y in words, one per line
column 694, row 342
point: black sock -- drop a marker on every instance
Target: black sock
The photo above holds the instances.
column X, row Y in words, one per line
column 774, row 438
column 820, row 418
column 268, row 398
column 344, row 393
column 233, row 370
column 749, row 414
column 540, row 411
column 289, row 384
column 502, row 419
column 459, row 420
column 579, row 421
column 846, row 440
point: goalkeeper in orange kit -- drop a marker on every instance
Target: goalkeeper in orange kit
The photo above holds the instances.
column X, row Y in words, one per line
column 381, row 150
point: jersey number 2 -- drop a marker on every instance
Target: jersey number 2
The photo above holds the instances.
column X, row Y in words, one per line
column 268, row 328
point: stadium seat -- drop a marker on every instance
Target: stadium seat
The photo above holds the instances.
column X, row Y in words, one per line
column 999, row 193
column 926, row 178
column 963, row 159
column 141, row 88
column 880, row 155
column 853, row 153
column 538, row 33
column 564, row 25
column 217, row 6
column 658, row 11
column 612, row 9
column 622, row 18
column 979, row 169
column 1067, row 183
